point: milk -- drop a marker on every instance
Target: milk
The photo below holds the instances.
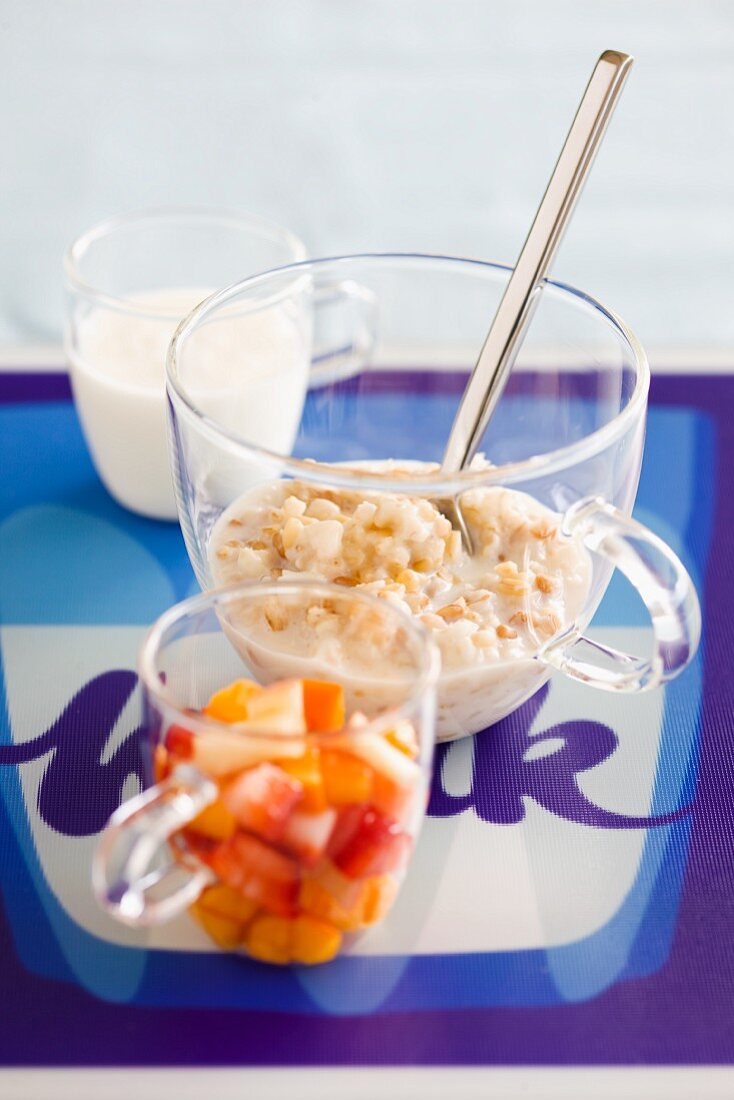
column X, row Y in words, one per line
column 247, row 371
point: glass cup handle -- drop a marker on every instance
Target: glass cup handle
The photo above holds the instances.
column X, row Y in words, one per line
column 666, row 590
column 346, row 331
column 134, row 876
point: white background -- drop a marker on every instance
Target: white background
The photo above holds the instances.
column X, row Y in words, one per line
column 376, row 124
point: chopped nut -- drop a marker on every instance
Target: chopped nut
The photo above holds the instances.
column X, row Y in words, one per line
column 320, row 508
column 292, row 506
column 519, row 618
column 453, row 611
column 235, row 522
column 277, row 617
column 291, row 533
column 434, row 622
column 505, row 631
column 544, row 584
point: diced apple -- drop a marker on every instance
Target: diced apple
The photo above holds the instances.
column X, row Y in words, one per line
column 306, row 835
column 384, row 758
column 376, row 847
column 218, row 752
column 263, row 799
column 277, row 709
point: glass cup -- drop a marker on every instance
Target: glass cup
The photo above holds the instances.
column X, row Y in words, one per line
column 129, row 282
column 550, row 515
column 280, row 842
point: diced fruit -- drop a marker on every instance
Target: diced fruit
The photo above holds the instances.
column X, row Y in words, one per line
column 390, row 799
column 263, row 799
column 269, row 939
column 215, row 821
column 161, row 768
column 376, row 846
column 306, row 835
column 180, row 742
column 315, row 899
column 384, row 758
column 379, row 894
column 221, row 753
column 324, row 706
column 347, row 825
column 277, row 709
column 346, row 779
column 314, row 941
column 403, row 738
column 227, row 902
column 307, row 770
column 346, row 891
column 225, row 931
column 230, row 704
column 257, row 871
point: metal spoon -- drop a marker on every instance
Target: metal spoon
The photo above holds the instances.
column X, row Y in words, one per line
column 491, row 371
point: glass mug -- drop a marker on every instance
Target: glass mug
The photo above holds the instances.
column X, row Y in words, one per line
column 129, row 282
column 565, row 444
column 338, row 864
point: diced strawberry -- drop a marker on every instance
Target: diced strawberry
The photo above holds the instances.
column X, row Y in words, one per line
column 306, row 835
column 347, row 824
column 180, row 742
column 259, row 872
column 376, row 847
column 263, row 799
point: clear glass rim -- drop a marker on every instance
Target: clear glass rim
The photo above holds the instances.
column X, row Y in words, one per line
column 434, row 483
column 426, row 678
column 261, row 228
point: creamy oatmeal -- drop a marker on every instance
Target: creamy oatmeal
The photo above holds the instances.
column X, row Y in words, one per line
column 524, row 583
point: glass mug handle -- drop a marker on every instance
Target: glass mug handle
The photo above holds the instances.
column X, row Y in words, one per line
column 129, row 878
column 663, row 584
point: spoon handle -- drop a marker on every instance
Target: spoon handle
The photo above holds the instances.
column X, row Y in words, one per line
column 496, row 358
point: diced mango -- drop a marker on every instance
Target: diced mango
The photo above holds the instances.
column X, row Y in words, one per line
column 390, row 799
column 161, row 769
column 269, row 939
column 225, row 932
column 378, row 896
column 215, row 821
column 307, row 770
column 324, row 706
column 315, row 899
column 314, row 941
column 346, row 779
column 230, row 704
column 228, row 903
